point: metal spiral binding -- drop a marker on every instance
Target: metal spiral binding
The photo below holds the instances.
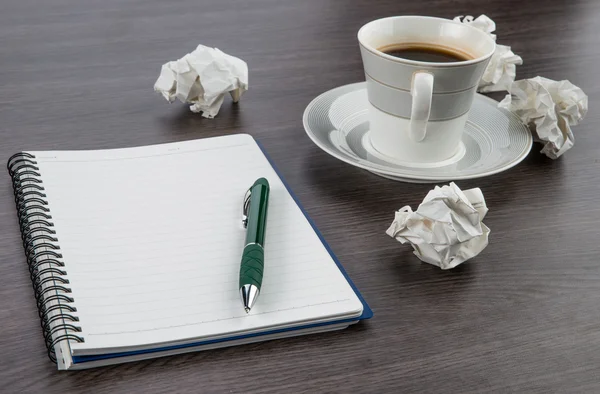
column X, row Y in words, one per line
column 49, row 279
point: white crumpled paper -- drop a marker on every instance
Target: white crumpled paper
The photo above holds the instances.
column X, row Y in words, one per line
column 203, row 78
column 502, row 68
column 549, row 108
column 482, row 22
column 446, row 229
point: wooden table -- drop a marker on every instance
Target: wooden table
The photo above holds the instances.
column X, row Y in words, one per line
column 524, row 316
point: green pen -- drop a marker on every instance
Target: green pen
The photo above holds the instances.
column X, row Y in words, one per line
column 254, row 219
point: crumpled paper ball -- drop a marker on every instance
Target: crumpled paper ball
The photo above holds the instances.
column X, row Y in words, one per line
column 502, row 68
column 549, row 108
column 203, row 78
column 446, row 229
column 482, row 22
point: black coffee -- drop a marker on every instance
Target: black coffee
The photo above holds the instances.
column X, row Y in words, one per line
column 425, row 53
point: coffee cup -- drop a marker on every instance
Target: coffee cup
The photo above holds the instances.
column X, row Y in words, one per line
column 421, row 76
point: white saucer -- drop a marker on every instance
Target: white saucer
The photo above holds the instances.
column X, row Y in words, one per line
column 494, row 139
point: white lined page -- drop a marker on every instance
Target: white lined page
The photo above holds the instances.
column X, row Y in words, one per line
column 152, row 241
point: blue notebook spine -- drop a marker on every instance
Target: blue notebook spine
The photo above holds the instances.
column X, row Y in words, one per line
column 48, row 276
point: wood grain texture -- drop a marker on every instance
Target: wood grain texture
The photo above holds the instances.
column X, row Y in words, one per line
column 522, row 317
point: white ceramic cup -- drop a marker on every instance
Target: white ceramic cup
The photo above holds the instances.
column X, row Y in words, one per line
column 418, row 110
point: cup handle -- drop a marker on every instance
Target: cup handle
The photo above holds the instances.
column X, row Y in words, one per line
column 422, row 92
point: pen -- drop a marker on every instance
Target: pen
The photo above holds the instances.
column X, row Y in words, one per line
column 254, row 219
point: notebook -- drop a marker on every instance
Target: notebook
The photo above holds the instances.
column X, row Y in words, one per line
column 135, row 253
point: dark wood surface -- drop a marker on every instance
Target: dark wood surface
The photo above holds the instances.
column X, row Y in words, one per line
column 524, row 316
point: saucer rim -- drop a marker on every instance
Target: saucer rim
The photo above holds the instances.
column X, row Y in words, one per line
column 362, row 85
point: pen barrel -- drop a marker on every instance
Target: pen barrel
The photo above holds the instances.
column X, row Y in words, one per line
column 257, row 213
column 253, row 263
column 253, row 256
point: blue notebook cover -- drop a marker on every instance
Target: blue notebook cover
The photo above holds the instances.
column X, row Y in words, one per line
column 367, row 312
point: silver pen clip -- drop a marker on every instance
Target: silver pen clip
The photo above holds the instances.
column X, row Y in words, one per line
column 245, row 208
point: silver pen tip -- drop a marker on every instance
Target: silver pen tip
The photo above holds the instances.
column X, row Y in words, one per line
column 249, row 294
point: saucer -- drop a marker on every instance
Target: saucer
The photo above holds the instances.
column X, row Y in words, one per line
column 494, row 139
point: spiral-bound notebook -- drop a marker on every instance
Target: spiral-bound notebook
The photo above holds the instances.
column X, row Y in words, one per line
column 134, row 253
